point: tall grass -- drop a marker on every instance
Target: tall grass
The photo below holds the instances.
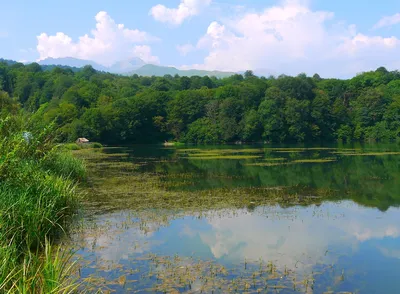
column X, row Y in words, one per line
column 37, row 194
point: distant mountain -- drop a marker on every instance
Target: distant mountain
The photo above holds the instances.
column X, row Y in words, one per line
column 121, row 67
column 72, row 62
column 125, row 66
column 156, row 70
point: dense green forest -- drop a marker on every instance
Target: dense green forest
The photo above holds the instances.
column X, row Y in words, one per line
column 117, row 109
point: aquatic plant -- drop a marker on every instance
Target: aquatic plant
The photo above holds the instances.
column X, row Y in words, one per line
column 371, row 154
column 223, row 157
column 153, row 197
column 319, row 160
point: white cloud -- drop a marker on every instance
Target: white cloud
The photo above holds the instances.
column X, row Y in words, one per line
column 359, row 43
column 109, row 42
column 176, row 16
column 144, row 52
column 311, row 235
column 185, row 49
column 388, row 21
column 291, row 38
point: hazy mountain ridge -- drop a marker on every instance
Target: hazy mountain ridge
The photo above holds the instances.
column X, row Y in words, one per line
column 131, row 67
column 156, row 70
column 124, row 67
column 72, row 62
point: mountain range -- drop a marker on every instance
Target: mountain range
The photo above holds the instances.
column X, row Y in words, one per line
column 130, row 67
column 121, row 67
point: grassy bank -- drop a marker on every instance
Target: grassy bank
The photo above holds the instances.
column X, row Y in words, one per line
column 37, row 195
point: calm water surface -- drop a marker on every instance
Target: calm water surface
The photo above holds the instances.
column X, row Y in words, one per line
column 345, row 239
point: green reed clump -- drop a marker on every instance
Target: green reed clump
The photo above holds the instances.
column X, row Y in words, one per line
column 37, row 194
column 75, row 146
column 63, row 163
column 47, row 272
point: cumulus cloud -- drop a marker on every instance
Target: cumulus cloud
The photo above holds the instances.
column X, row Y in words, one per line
column 359, row 42
column 109, row 42
column 388, row 21
column 294, row 235
column 176, row 16
column 144, row 52
column 291, row 38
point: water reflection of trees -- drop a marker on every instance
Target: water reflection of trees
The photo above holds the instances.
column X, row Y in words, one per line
column 368, row 180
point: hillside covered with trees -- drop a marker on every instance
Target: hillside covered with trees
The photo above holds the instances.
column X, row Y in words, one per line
column 115, row 109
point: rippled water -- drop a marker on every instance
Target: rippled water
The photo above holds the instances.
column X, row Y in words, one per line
column 344, row 237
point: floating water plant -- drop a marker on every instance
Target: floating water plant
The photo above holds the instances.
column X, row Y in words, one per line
column 267, row 164
column 275, row 159
column 224, row 157
column 320, row 160
column 371, row 154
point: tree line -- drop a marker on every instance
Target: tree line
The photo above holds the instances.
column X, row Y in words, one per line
column 115, row 109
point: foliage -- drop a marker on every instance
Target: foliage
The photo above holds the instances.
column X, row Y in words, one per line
column 37, row 193
column 115, row 109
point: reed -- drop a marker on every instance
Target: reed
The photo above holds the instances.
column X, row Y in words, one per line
column 37, row 195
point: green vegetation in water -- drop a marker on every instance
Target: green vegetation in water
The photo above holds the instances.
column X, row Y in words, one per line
column 37, row 194
column 154, row 197
column 141, row 190
column 370, row 154
column 220, row 154
column 267, row 164
column 275, row 159
column 75, row 146
column 317, row 160
column 300, row 149
column 291, row 151
column 220, row 151
column 223, row 157
column 320, row 160
column 145, row 192
column 214, row 154
column 175, row 274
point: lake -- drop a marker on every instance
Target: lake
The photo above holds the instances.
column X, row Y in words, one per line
column 254, row 219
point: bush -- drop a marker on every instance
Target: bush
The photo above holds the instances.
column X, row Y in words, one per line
column 72, row 146
column 96, row 145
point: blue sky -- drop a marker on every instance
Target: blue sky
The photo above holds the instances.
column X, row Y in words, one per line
column 334, row 38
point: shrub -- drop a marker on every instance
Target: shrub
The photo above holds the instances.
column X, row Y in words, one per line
column 96, row 145
column 72, row 146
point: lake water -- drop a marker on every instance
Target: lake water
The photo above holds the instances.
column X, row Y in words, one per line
column 254, row 219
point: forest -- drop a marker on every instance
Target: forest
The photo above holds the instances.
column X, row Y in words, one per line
column 116, row 109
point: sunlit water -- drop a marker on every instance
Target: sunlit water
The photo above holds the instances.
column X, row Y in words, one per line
column 348, row 242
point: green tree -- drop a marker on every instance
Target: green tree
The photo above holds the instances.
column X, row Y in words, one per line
column 272, row 116
column 202, row 131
